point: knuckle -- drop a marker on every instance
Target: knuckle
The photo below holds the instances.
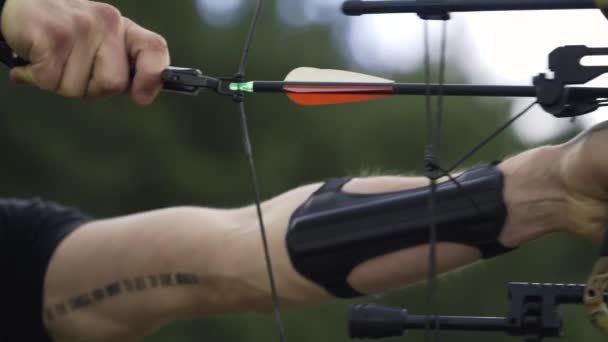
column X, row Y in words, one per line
column 156, row 42
column 108, row 14
column 61, row 35
column 84, row 22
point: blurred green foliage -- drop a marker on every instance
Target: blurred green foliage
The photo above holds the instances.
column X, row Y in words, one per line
column 113, row 158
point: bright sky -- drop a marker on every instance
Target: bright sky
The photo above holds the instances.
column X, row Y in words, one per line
column 493, row 48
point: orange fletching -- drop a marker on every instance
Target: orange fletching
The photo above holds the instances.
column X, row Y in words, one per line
column 327, row 99
column 317, row 96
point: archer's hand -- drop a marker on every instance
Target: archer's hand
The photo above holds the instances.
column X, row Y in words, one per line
column 584, row 175
column 81, row 48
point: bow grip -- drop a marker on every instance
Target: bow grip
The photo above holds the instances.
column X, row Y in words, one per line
column 596, row 287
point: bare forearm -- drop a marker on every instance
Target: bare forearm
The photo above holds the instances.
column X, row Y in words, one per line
column 119, row 279
column 536, row 205
column 218, row 256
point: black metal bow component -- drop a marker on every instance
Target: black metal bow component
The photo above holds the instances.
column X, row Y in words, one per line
column 534, row 315
column 438, row 7
column 555, row 96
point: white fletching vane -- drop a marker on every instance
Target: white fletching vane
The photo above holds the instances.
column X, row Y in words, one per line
column 307, row 74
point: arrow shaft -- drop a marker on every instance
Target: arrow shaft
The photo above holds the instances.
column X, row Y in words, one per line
column 413, row 89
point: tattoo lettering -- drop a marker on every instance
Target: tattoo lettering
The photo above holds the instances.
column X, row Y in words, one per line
column 113, row 289
column 186, row 279
column 140, row 284
column 153, row 281
column 80, row 302
column 98, row 295
column 166, row 280
column 126, row 286
column 61, row 309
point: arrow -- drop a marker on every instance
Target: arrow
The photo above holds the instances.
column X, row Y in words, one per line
column 314, row 87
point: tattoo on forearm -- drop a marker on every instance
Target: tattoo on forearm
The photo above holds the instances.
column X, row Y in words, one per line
column 119, row 288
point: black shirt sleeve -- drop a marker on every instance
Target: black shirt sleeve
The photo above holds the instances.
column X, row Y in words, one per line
column 1, row 8
column 30, row 231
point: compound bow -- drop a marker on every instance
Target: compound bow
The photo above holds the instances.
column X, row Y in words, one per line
column 534, row 307
column 533, row 313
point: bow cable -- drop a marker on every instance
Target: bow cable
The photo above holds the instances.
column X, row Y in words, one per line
column 433, row 166
column 240, row 99
column 434, row 123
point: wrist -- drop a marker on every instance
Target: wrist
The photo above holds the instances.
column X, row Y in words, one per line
column 534, row 195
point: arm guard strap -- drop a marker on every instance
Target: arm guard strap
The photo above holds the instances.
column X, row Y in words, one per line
column 334, row 231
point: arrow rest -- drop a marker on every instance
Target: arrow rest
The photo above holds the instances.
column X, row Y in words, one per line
column 555, row 98
column 565, row 63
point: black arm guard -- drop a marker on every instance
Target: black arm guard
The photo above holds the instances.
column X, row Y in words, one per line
column 334, row 231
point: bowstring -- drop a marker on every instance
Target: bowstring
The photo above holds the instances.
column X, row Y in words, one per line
column 432, row 155
column 240, row 99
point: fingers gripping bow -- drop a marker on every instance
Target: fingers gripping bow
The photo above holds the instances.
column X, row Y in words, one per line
column 596, row 287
